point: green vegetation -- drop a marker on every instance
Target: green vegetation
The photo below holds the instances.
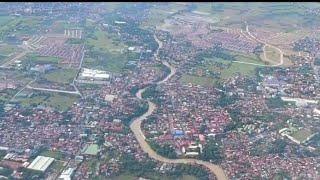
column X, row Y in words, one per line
column 75, row 41
column 317, row 61
column 31, row 174
column 54, row 154
column 6, row 50
column 60, row 102
column 105, row 42
column 57, row 166
column 152, row 92
column 34, row 59
column 302, row 134
column 165, row 150
column 5, row 171
column 197, row 80
column 219, row 64
column 64, row 76
column 225, row 100
column 282, row 175
column 161, row 12
column 275, row 102
column 139, row 110
column 131, row 168
column 278, row 146
column 212, row 152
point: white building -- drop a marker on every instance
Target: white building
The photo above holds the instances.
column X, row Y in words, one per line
column 66, row 174
column 41, row 163
column 94, row 74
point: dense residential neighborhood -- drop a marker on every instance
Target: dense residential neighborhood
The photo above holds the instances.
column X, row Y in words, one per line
column 159, row 91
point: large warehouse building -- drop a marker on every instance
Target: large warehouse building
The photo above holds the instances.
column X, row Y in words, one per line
column 41, row 163
column 94, row 74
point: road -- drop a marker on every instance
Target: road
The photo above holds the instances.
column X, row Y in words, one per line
column 135, row 126
column 264, row 51
column 54, row 90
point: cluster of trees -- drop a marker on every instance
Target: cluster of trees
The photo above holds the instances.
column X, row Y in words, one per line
column 75, row 41
column 317, row 61
column 131, row 165
column 236, row 121
column 142, row 108
column 5, row 171
column 278, row 147
column 2, row 112
column 152, row 92
column 275, row 102
column 225, row 100
column 146, row 168
column 31, row 174
column 197, row 171
column 165, row 150
column 216, row 51
column 212, row 152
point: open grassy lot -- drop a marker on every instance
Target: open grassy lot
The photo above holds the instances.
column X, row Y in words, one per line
column 36, row 59
column 64, row 76
column 57, row 166
column 58, row 101
column 106, row 42
column 160, row 12
column 60, row 25
column 7, row 49
column 197, row 80
column 4, row 20
column 272, row 55
column 302, row 134
column 53, row 154
column 216, row 69
column 127, row 176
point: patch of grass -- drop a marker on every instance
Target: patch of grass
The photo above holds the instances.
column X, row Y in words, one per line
column 34, row 58
column 57, row 166
column 54, row 154
column 61, row 102
column 125, row 177
column 197, row 80
column 64, row 76
column 235, row 68
column 61, row 25
column 106, row 61
column 302, row 134
column 272, row 54
column 231, row 68
column 4, row 20
column 106, row 42
column 6, row 50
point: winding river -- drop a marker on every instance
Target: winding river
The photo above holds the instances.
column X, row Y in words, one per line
column 135, row 126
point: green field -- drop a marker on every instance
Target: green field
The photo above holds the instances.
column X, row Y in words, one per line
column 54, row 100
column 196, row 80
column 64, row 76
column 54, row 154
column 4, row 20
column 160, row 12
column 272, row 54
column 34, row 58
column 6, row 50
column 302, row 134
column 127, row 176
column 106, row 42
column 60, row 25
column 57, row 166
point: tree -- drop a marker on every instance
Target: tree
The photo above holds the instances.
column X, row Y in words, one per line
column 211, row 152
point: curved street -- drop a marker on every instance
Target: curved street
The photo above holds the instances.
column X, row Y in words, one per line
column 135, row 126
